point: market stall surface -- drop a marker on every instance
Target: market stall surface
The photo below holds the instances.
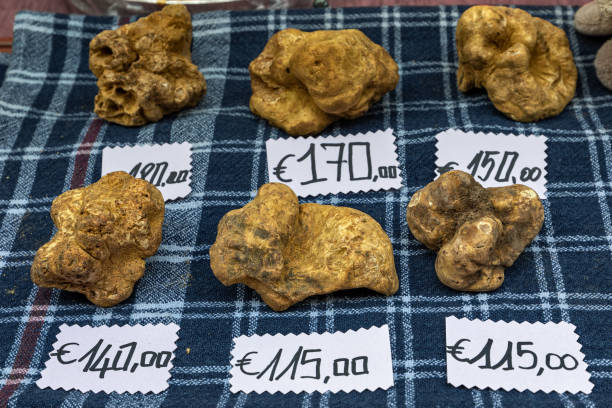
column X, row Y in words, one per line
column 50, row 141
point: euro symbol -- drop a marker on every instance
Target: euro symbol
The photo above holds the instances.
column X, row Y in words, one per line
column 246, row 361
column 456, row 350
column 280, row 169
column 447, row 167
column 60, row 352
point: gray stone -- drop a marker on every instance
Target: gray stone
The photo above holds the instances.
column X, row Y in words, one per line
column 603, row 64
column 590, row 20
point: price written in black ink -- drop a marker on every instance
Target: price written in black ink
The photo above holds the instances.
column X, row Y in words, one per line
column 302, row 363
column 155, row 173
column 515, row 356
column 351, row 161
column 103, row 358
column 496, row 165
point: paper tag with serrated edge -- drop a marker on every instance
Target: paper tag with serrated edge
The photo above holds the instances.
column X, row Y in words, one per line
column 314, row 166
column 515, row 356
column 350, row 361
column 166, row 166
column 116, row 358
column 494, row 160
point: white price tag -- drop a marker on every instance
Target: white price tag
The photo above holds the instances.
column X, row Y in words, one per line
column 166, row 166
column 522, row 356
column 494, row 160
column 117, row 358
column 335, row 164
column 352, row 361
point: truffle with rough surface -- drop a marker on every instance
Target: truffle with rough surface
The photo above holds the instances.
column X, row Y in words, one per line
column 144, row 69
column 477, row 231
column 304, row 81
column 524, row 63
column 104, row 233
column 288, row 252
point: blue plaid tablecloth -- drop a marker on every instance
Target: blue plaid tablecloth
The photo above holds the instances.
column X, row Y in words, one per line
column 50, row 141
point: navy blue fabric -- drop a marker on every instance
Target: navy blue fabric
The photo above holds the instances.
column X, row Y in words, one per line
column 4, row 61
column 46, row 118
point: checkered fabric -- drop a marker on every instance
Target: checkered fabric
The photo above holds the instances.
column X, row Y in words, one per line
column 50, row 141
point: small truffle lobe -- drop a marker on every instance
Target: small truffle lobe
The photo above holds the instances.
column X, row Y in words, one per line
column 524, row 63
column 104, row 233
column 288, row 252
column 304, row 81
column 144, row 69
column 477, row 231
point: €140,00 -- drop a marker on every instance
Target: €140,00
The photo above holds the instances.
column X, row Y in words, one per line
column 104, row 357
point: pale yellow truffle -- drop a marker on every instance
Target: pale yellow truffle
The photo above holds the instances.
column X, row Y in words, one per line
column 144, row 69
column 304, row 81
column 524, row 63
column 477, row 232
column 288, row 252
column 105, row 232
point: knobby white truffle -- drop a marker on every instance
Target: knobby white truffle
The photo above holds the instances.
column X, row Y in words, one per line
column 477, row 231
column 524, row 63
column 303, row 81
column 288, row 252
column 144, row 69
column 104, row 233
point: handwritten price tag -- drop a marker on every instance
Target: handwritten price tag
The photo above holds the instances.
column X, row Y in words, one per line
column 118, row 358
column 355, row 360
column 340, row 164
column 494, row 160
column 521, row 356
column 167, row 166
